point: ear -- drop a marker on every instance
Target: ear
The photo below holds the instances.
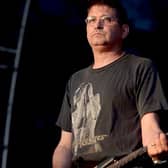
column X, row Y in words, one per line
column 125, row 30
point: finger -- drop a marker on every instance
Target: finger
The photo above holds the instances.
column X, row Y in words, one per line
column 164, row 142
column 158, row 148
column 154, row 150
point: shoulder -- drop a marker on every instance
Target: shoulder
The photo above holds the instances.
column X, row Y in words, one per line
column 78, row 75
column 139, row 61
column 138, row 58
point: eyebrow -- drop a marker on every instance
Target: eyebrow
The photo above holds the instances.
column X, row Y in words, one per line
column 101, row 16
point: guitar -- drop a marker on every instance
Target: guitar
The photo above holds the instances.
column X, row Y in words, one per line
column 112, row 163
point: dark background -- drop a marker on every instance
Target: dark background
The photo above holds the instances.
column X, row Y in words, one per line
column 54, row 47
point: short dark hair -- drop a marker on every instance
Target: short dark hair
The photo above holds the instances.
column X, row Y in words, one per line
column 121, row 11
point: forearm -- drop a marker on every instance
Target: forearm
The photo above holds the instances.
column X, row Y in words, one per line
column 153, row 137
column 150, row 128
column 62, row 157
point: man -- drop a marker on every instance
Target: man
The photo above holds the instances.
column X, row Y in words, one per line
column 111, row 107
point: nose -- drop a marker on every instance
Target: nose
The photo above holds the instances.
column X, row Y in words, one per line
column 99, row 24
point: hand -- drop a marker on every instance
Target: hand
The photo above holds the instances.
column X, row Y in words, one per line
column 158, row 149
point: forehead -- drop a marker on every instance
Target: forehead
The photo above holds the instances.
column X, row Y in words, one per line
column 101, row 10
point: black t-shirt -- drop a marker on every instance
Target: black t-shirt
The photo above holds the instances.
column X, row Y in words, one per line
column 102, row 107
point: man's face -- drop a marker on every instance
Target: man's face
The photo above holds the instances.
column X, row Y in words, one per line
column 103, row 28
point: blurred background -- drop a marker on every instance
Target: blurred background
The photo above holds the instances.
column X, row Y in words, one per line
column 42, row 42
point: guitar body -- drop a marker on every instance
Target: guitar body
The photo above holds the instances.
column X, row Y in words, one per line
column 84, row 164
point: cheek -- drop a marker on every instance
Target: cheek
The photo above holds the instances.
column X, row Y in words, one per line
column 88, row 33
column 89, row 30
column 88, row 38
column 115, row 34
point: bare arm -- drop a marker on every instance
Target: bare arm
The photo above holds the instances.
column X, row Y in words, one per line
column 152, row 136
column 62, row 156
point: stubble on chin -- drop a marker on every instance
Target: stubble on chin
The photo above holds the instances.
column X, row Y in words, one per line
column 98, row 42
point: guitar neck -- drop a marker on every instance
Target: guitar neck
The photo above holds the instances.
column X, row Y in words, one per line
column 133, row 155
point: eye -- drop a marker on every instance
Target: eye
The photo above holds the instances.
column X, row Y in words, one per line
column 90, row 20
column 108, row 19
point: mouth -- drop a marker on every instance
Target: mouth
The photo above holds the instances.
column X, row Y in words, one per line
column 97, row 34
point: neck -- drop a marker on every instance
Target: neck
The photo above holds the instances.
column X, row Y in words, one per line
column 104, row 58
